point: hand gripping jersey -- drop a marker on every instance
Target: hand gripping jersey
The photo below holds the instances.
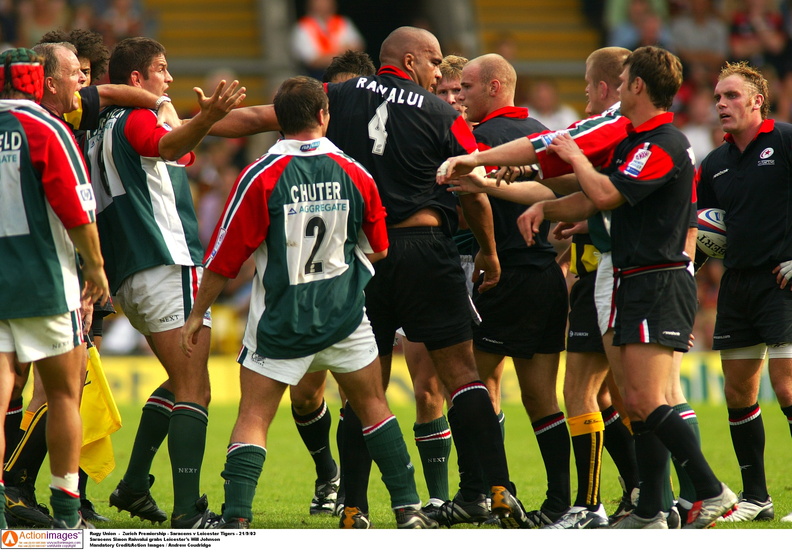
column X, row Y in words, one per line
column 498, row 127
column 754, row 188
column 44, row 191
column 401, row 133
column 307, row 213
column 146, row 215
column 653, row 169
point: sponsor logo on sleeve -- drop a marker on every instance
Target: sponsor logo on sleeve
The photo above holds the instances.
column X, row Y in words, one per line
column 636, row 165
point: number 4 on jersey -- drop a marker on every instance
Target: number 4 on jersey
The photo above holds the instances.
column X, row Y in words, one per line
column 377, row 131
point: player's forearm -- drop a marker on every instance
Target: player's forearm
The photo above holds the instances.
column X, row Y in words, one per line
column 212, row 285
column 182, row 140
column 245, row 121
column 596, row 186
column 86, row 240
column 124, row 95
column 515, row 153
column 571, row 208
column 521, row 192
column 478, row 214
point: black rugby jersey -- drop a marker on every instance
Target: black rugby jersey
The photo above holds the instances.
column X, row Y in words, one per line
column 754, row 188
column 501, row 126
column 401, row 133
column 653, row 169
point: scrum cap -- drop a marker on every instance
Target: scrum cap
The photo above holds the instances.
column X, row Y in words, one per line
column 23, row 70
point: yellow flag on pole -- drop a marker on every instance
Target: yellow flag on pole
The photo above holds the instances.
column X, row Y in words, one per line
column 100, row 418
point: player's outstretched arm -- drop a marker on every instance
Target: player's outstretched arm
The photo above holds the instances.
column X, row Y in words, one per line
column 124, row 95
column 212, row 284
column 514, row 153
column 182, row 140
column 247, row 120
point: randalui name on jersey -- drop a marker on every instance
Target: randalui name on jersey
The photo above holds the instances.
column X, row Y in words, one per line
column 393, row 95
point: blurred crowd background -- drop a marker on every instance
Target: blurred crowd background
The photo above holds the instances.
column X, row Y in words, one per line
column 261, row 42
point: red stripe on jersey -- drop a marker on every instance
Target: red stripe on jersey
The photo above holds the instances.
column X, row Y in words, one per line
column 144, row 136
column 482, row 147
column 245, row 220
column 374, row 226
column 58, row 175
column 596, row 140
column 647, row 162
column 463, row 134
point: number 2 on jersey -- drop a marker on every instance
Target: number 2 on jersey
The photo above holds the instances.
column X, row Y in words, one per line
column 316, row 227
column 377, row 131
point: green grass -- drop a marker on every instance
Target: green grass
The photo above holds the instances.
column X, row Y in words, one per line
column 286, row 485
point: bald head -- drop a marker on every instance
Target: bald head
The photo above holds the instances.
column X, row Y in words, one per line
column 495, row 67
column 416, row 51
column 404, row 40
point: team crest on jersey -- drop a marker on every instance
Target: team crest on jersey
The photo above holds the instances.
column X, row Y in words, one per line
column 638, row 162
column 309, row 147
column 764, row 158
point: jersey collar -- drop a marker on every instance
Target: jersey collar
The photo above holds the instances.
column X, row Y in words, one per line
column 393, row 70
column 507, row 111
column 313, row 147
column 767, row 126
column 652, row 123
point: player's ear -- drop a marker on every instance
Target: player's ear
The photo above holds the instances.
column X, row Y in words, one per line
column 49, row 85
column 409, row 61
column 494, row 87
column 135, row 78
column 758, row 101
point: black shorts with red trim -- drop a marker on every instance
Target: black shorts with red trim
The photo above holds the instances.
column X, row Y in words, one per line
column 656, row 307
column 524, row 314
column 584, row 333
column 420, row 287
column 752, row 309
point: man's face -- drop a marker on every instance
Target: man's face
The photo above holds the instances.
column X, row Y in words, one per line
column 473, row 95
column 159, row 78
column 592, row 94
column 736, row 103
column 425, row 65
column 625, row 93
column 85, row 68
column 448, row 90
column 68, row 81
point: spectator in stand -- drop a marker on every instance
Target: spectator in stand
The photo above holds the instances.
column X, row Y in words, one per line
column 322, row 34
column 545, row 105
column 121, row 20
column 701, row 126
column 36, row 17
column 758, row 35
column 700, row 36
column 642, row 19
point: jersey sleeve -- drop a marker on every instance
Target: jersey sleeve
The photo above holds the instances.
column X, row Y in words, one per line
column 463, row 135
column 645, row 169
column 243, row 225
column 64, row 177
column 144, row 136
column 374, row 236
column 596, row 136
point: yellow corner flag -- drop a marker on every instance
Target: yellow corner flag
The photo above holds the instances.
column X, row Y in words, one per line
column 100, row 418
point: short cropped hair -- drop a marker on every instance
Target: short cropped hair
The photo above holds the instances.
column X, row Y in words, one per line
column 753, row 77
column 297, row 102
column 133, row 54
column 451, row 66
column 352, row 63
column 48, row 51
column 606, row 64
column 89, row 45
column 660, row 70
